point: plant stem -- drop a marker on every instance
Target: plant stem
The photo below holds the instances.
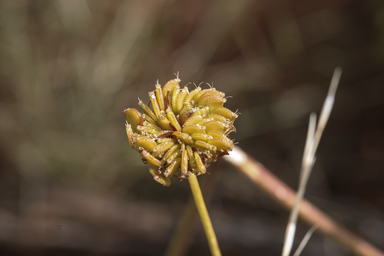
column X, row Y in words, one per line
column 186, row 226
column 205, row 220
column 286, row 197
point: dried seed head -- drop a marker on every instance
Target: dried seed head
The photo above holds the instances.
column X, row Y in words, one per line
column 183, row 132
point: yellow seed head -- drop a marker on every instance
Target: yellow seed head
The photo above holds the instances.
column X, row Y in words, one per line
column 183, row 132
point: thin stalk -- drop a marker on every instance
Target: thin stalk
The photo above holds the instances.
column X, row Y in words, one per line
column 305, row 240
column 186, row 227
column 313, row 139
column 204, row 216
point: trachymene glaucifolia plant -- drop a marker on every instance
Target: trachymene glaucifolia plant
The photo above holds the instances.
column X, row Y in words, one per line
column 183, row 132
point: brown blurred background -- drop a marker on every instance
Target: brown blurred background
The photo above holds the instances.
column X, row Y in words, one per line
column 71, row 185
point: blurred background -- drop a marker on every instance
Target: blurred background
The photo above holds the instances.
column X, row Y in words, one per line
column 71, row 185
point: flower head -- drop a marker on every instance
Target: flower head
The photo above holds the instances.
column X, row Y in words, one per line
column 183, row 132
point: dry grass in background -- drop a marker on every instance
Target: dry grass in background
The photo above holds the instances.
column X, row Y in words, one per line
column 69, row 182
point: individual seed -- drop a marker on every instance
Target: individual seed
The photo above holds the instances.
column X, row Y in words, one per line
column 168, row 100
column 163, row 140
column 163, row 122
column 221, row 144
column 147, row 110
column 218, row 118
column 194, row 128
column 204, row 121
column 218, row 135
column 184, row 160
column 155, row 104
column 185, row 112
column 159, row 96
column 200, row 166
column 161, row 148
column 202, row 111
column 180, row 99
column 160, row 178
column 153, row 126
column 225, row 113
column 130, row 134
column 146, row 129
column 172, row 118
column 191, row 95
column 146, row 143
column 215, row 92
column 169, row 153
column 149, row 119
column 191, row 162
column 201, row 136
column 174, row 95
column 212, row 101
column 133, row 117
column 183, row 137
column 205, row 145
column 172, row 157
column 170, row 85
column 172, row 168
column 201, row 93
column 147, row 156
column 215, row 125
column 193, row 120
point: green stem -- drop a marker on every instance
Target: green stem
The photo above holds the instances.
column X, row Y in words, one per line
column 205, row 220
